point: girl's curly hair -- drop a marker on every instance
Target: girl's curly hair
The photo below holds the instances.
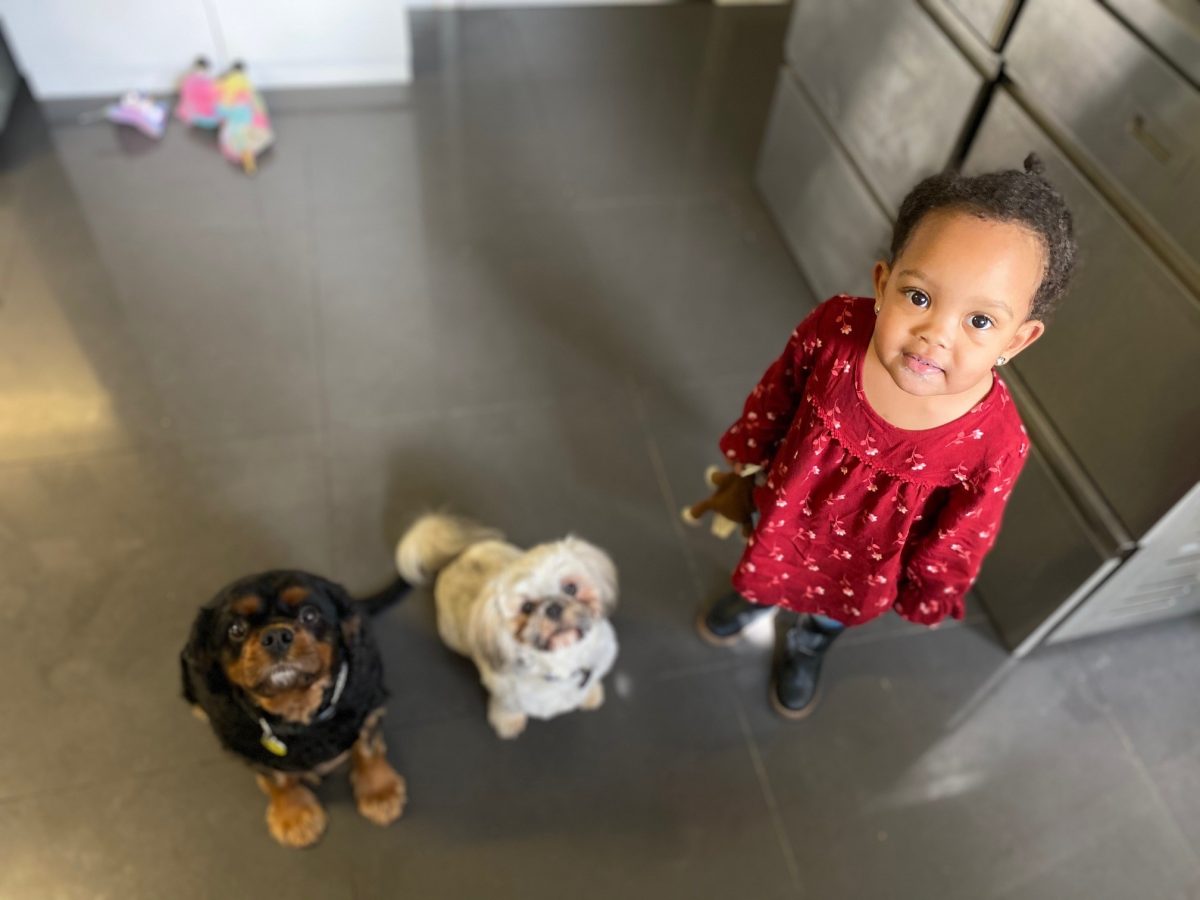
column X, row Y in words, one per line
column 1024, row 198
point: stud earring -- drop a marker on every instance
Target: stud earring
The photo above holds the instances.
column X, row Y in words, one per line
column 1001, row 360
column 876, row 309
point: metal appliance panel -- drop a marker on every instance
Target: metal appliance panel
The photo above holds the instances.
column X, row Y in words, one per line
column 1125, row 110
column 10, row 81
column 1043, row 556
column 898, row 93
column 1110, row 370
column 1171, row 26
column 832, row 224
column 989, row 18
column 1161, row 580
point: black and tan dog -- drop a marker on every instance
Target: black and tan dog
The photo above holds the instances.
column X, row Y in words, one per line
column 283, row 666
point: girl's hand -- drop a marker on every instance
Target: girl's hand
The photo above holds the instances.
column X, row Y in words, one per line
column 732, row 500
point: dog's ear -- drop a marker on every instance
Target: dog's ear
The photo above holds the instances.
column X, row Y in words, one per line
column 349, row 616
column 197, row 661
column 342, row 602
column 486, row 629
column 598, row 568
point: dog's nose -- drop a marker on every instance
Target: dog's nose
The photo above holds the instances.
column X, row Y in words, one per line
column 554, row 611
column 277, row 640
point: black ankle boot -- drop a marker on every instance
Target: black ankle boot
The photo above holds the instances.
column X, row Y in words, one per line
column 797, row 671
column 727, row 618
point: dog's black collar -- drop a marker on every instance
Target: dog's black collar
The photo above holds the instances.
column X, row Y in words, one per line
column 583, row 675
column 271, row 741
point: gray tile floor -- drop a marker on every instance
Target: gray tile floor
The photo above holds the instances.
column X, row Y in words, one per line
column 535, row 292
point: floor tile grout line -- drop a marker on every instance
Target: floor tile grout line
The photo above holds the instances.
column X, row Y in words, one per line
column 1136, row 759
column 122, row 778
column 688, row 671
column 143, row 447
column 768, row 794
column 149, row 445
column 317, row 314
column 711, row 668
column 664, row 486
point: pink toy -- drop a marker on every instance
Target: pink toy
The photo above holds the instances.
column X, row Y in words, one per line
column 198, row 97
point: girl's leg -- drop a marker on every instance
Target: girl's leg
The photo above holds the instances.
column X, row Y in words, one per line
column 826, row 624
column 723, row 623
column 797, row 669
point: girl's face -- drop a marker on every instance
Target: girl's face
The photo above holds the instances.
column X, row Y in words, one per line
column 957, row 297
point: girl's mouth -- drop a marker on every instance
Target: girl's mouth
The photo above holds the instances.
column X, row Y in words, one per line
column 920, row 365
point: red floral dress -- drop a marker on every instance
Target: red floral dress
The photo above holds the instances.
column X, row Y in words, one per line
column 857, row 515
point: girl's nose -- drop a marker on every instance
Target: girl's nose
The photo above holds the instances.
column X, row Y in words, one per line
column 937, row 330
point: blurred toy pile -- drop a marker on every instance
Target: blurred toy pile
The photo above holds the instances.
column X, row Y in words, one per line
column 228, row 103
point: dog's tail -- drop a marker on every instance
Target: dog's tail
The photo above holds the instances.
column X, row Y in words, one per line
column 381, row 600
column 433, row 542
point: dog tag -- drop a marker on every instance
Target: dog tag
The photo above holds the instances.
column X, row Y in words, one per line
column 270, row 742
column 274, row 745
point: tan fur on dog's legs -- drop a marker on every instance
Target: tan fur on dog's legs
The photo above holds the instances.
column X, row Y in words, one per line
column 594, row 698
column 379, row 790
column 295, row 817
column 507, row 723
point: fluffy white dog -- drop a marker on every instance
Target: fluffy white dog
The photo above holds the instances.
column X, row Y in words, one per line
column 535, row 622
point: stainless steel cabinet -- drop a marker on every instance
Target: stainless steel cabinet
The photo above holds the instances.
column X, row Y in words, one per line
column 831, row 222
column 10, row 81
column 1045, row 561
column 893, row 86
column 1171, row 26
column 989, row 18
column 1122, row 108
column 1161, row 580
column 1118, row 368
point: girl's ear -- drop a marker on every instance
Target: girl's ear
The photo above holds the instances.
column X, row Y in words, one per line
column 1027, row 333
column 880, row 274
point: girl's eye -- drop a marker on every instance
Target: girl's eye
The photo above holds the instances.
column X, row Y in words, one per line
column 237, row 631
column 917, row 298
column 570, row 589
column 309, row 616
column 528, row 607
column 981, row 322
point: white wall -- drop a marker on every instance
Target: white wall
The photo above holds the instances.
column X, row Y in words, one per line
column 79, row 48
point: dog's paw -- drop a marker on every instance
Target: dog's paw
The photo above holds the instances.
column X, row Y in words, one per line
column 594, row 698
column 507, row 725
column 295, row 817
column 379, row 791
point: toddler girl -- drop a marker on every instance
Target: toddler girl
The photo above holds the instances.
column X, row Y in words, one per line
column 887, row 444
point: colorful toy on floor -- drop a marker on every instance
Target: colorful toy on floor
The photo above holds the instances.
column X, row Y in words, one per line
column 230, row 104
column 731, row 502
column 198, row 97
column 245, row 126
column 139, row 111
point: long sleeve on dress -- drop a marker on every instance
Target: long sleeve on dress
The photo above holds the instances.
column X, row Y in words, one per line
column 943, row 566
column 771, row 406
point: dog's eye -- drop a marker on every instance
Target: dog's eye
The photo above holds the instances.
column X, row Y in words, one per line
column 528, row 607
column 570, row 588
column 309, row 616
column 237, row 631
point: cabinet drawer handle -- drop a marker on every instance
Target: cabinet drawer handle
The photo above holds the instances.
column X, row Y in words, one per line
column 1140, row 129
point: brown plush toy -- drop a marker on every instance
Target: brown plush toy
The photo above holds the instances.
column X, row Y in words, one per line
column 731, row 503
